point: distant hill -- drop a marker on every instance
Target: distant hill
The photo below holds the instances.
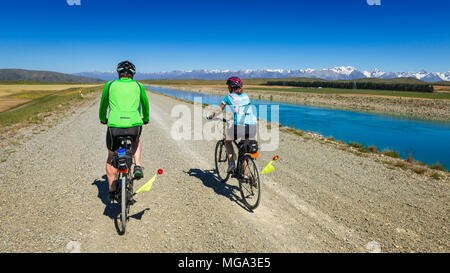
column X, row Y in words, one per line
column 43, row 76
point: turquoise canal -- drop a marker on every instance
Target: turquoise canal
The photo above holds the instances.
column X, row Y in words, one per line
column 427, row 141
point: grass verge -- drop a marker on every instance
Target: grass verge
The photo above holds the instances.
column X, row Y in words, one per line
column 35, row 110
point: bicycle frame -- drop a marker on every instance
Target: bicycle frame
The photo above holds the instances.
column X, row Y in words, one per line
column 241, row 156
column 124, row 175
column 249, row 185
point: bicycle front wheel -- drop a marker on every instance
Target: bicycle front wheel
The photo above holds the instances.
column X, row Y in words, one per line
column 250, row 184
column 221, row 161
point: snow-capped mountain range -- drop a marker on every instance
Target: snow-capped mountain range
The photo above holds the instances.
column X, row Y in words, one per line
column 335, row 73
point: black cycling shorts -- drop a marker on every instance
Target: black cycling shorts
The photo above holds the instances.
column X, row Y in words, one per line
column 112, row 133
column 241, row 132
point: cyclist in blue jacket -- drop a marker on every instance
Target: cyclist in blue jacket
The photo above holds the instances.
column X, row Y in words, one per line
column 244, row 124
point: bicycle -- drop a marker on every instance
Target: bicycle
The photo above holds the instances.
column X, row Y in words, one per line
column 125, row 161
column 249, row 177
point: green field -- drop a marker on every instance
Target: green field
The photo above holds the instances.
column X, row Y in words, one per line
column 42, row 102
column 357, row 92
column 13, row 94
column 42, row 83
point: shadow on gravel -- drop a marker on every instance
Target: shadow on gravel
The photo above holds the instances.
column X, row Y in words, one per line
column 112, row 210
column 138, row 216
column 211, row 180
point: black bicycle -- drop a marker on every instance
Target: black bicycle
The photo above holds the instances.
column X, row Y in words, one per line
column 246, row 171
column 123, row 160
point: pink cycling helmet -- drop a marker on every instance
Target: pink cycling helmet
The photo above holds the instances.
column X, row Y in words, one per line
column 235, row 82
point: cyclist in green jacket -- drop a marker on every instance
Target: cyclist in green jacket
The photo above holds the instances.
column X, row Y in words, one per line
column 126, row 100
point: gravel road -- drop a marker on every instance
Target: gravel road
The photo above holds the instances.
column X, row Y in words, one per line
column 53, row 197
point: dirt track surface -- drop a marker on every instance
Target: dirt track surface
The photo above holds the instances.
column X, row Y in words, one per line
column 53, row 197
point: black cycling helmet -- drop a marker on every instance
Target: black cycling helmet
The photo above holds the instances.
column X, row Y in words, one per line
column 235, row 82
column 126, row 66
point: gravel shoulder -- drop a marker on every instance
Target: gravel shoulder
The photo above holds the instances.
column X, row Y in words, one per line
column 319, row 199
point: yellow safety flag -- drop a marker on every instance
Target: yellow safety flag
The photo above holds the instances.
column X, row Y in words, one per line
column 269, row 167
column 147, row 186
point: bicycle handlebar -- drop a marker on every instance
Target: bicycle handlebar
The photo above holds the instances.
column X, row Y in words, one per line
column 221, row 119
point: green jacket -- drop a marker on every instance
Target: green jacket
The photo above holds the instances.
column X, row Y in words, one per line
column 126, row 100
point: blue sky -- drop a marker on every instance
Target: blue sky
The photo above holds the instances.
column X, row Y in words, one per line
column 162, row 35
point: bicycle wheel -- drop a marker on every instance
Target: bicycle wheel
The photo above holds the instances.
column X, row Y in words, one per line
column 221, row 161
column 250, row 184
column 124, row 202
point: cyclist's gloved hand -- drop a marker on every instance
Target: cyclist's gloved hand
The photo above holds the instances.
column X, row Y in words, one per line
column 145, row 122
column 104, row 122
column 209, row 117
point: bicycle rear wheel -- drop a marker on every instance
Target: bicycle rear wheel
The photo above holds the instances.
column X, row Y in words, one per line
column 221, row 161
column 124, row 203
column 250, row 186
